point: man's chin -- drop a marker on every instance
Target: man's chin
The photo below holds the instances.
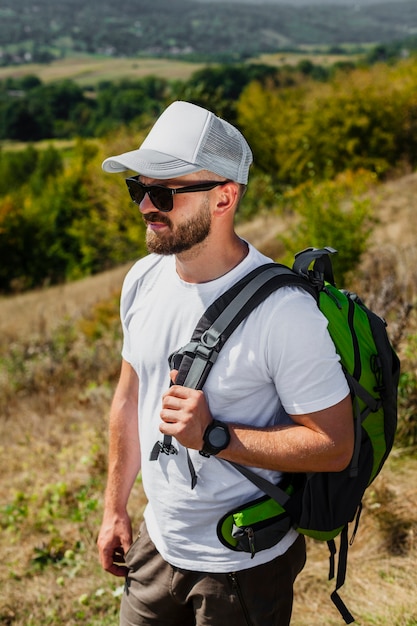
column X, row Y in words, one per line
column 156, row 245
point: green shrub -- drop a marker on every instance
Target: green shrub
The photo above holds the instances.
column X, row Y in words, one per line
column 331, row 214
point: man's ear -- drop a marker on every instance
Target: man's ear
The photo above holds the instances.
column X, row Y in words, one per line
column 227, row 198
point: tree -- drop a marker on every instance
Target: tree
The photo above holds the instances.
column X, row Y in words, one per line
column 360, row 119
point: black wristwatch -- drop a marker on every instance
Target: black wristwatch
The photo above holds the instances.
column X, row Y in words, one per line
column 216, row 438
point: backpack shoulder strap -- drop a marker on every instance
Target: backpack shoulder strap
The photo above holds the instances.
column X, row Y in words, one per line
column 195, row 360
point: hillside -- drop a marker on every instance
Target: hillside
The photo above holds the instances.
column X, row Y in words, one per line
column 48, row 30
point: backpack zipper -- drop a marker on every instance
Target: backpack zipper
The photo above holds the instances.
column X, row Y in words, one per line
column 238, row 591
column 332, row 297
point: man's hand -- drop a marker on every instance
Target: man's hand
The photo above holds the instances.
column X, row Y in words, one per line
column 114, row 540
column 185, row 415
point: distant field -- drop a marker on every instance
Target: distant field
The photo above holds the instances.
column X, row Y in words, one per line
column 292, row 58
column 90, row 70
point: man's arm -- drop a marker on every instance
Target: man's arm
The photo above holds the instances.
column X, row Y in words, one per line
column 316, row 442
column 319, row 441
column 115, row 535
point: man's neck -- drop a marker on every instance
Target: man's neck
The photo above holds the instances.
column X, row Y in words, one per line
column 202, row 264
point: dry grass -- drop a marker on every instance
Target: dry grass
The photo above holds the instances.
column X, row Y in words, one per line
column 381, row 583
column 53, row 455
column 39, row 312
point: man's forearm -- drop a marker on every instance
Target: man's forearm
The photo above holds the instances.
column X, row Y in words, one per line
column 124, row 456
column 124, row 447
column 320, row 441
column 308, row 446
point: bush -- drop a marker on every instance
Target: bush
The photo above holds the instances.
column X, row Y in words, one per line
column 331, row 214
column 62, row 219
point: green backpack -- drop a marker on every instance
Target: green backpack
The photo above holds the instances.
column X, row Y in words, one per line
column 320, row 505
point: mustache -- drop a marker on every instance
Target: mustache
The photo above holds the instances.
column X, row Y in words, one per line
column 155, row 216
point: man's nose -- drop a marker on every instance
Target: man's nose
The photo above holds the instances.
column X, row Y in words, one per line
column 147, row 206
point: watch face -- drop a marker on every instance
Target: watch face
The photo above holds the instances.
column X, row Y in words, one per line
column 218, row 437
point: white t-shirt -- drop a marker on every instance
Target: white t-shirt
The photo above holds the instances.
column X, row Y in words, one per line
column 279, row 360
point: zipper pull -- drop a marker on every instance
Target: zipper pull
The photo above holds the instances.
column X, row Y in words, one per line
column 251, row 539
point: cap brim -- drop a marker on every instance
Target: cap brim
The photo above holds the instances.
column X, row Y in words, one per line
column 149, row 163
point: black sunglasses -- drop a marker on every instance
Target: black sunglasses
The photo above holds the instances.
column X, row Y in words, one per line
column 162, row 197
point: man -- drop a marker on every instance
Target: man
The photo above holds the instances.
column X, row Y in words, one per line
column 276, row 409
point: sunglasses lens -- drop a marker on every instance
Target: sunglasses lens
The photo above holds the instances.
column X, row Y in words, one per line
column 137, row 192
column 161, row 198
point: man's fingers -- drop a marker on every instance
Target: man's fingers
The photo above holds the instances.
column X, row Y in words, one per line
column 114, row 562
column 177, row 391
column 117, row 570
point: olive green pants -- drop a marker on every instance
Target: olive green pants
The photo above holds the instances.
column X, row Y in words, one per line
column 161, row 595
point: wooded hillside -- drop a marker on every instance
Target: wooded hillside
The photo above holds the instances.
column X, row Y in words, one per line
column 45, row 29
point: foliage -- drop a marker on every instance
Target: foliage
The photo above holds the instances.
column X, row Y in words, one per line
column 331, row 214
column 407, row 427
column 60, row 222
column 127, row 101
column 31, row 110
column 371, row 112
column 365, row 118
column 389, row 52
column 260, row 197
column 407, row 396
column 218, row 88
column 62, row 218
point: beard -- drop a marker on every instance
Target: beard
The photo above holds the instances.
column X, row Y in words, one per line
column 181, row 237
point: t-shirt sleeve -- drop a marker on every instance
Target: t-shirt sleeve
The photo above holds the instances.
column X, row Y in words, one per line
column 302, row 356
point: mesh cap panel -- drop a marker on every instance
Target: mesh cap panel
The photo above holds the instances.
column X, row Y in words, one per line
column 224, row 151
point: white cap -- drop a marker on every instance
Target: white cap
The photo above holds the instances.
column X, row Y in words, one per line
column 187, row 138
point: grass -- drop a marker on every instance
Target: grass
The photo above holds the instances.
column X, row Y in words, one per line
column 39, row 312
column 59, row 363
column 53, row 463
